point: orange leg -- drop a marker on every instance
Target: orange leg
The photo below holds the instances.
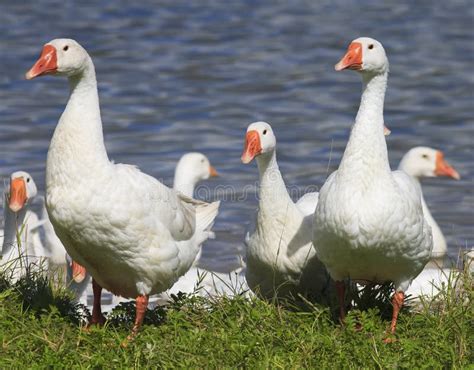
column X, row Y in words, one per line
column 142, row 304
column 341, row 289
column 97, row 317
column 397, row 302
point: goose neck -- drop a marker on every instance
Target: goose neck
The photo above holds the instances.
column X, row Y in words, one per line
column 272, row 189
column 77, row 148
column 367, row 149
column 13, row 224
column 373, row 97
column 184, row 184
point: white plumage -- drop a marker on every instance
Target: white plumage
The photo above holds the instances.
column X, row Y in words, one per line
column 421, row 162
column 191, row 169
column 21, row 224
column 369, row 224
column 281, row 260
column 133, row 234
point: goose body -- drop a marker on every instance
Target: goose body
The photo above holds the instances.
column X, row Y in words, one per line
column 280, row 258
column 133, row 234
column 125, row 224
column 58, row 254
column 369, row 224
column 77, row 278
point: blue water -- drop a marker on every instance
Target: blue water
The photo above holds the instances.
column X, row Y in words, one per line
column 175, row 76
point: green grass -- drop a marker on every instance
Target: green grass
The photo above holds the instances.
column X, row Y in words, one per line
column 196, row 332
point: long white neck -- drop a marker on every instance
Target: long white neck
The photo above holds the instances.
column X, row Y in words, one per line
column 13, row 224
column 184, row 183
column 366, row 151
column 77, row 148
column 274, row 197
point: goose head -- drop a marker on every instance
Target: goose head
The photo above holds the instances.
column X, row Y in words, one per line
column 22, row 188
column 63, row 57
column 427, row 162
column 195, row 167
column 259, row 140
column 365, row 55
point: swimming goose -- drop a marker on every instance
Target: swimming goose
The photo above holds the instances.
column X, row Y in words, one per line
column 21, row 223
column 369, row 224
column 192, row 168
column 420, row 162
column 281, row 260
column 133, row 234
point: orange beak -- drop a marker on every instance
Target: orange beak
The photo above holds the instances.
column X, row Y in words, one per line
column 17, row 194
column 46, row 64
column 252, row 146
column 443, row 168
column 352, row 59
column 78, row 272
column 213, row 172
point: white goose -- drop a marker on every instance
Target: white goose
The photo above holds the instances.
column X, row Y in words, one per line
column 280, row 257
column 191, row 169
column 20, row 222
column 420, row 162
column 20, row 193
column 133, row 234
column 369, row 224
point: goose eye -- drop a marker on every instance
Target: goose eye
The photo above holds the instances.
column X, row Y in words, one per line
column 28, row 179
column 202, row 160
column 371, row 46
column 425, row 156
column 264, row 132
column 66, row 48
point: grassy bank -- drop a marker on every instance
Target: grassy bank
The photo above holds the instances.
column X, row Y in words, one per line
column 196, row 332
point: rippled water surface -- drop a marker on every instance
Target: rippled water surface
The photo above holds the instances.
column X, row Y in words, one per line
column 180, row 76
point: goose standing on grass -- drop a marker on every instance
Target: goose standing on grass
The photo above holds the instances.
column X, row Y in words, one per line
column 369, row 224
column 21, row 224
column 134, row 235
column 281, row 260
column 420, row 162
